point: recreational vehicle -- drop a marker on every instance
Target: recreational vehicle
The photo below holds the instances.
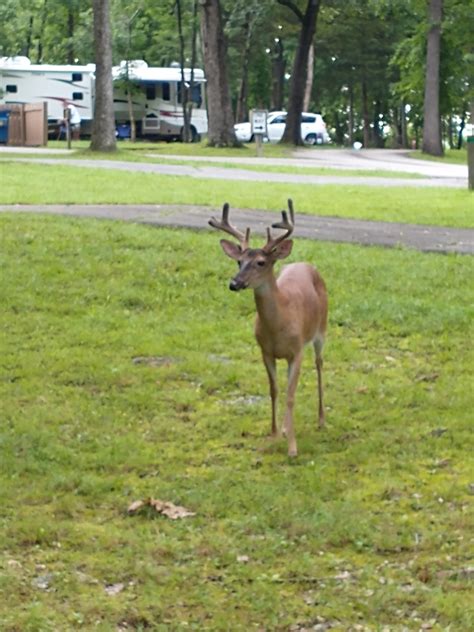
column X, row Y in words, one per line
column 152, row 96
column 24, row 82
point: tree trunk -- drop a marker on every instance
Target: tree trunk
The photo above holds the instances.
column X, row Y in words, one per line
column 186, row 132
column 403, row 126
column 29, row 37
column 309, row 79
column 278, row 76
column 193, row 64
column 462, row 125
column 292, row 133
column 377, row 138
column 131, row 115
column 470, row 152
column 70, row 35
column 365, row 114
column 103, row 128
column 431, row 114
column 44, row 17
column 241, row 109
column 351, row 115
column 221, row 123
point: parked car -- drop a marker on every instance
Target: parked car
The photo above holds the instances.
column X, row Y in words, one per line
column 313, row 129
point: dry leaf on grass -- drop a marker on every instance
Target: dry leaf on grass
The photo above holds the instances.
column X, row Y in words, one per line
column 168, row 509
column 114, row 589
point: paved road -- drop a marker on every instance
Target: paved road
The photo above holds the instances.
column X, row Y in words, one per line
column 424, row 238
column 435, row 174
column 392, row 160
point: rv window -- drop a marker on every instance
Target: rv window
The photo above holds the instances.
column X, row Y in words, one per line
column 165, row 91
column 77, row 96
column 11, row 88
column 77, row 76
column 151, row 92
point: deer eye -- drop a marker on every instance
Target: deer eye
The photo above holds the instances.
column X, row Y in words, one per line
column 261, row 263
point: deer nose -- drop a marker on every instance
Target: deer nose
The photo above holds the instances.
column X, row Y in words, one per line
column 237, row 284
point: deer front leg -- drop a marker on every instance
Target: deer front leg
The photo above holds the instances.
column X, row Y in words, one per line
column 294, row 367
column 270, row 365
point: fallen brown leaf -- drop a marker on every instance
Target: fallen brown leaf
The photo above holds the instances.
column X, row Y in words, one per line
column 114, row 589
column 166, row 508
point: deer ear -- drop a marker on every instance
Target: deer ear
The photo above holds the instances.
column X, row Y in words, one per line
column 231, row 250
column 282, row 250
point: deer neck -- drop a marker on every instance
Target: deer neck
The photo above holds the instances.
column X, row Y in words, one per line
column 267, row 301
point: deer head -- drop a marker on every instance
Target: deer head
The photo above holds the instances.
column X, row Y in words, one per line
column 255, row 265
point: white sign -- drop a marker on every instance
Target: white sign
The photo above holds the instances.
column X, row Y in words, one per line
column 258, row 121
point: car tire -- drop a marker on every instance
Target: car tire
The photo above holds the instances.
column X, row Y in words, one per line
column 311, row 139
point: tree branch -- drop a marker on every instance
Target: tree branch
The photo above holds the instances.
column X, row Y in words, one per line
column 291, row 5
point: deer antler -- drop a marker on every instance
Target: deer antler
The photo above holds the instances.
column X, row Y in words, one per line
column 231, row 230
column 285, row 224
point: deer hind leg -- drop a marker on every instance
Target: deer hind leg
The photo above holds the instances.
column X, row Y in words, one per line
column 294, row 367
column 318, row 350
column 270, row 365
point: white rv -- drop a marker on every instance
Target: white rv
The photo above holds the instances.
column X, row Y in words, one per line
column 155, row 92
column 156, row 99
column 24, row 82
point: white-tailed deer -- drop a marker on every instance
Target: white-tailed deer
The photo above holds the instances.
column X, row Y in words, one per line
column 291, row 309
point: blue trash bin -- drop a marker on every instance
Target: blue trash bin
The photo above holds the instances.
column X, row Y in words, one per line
column 123, row 132
column 4, row 116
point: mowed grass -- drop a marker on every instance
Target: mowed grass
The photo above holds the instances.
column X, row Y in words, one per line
column 184, row 149
column 130, row 371
column 455, row 156
column 148, row 157
column 26, row 183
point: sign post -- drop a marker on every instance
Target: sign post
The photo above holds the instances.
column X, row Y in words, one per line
column 258, row 121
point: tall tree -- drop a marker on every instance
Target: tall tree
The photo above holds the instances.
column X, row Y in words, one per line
column 103, row 129
column 221, row 122
column 431, row 112
column 292, row 133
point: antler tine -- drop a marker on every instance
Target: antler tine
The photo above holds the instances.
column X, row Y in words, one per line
column 285, row 224
column 227, row 227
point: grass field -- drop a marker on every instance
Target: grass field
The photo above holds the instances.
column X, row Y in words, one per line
column 26, row 183
column 455, row 156
column 270, row 150
column 129, row 371
column 148, row 157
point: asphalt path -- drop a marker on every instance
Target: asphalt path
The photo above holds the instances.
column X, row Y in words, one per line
column 390, row 234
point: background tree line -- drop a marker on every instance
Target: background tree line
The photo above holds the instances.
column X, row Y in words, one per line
column 361, row 63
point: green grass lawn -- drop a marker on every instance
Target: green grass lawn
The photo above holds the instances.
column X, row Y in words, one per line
column 456, row 156
column 28, row 183
column 148, row 157
column 247, row 150
column 370, row 526
column 184, row 149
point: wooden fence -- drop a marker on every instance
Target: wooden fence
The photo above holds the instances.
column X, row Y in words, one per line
column 27, row 124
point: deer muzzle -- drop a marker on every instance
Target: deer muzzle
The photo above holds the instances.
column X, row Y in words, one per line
column 237, row 284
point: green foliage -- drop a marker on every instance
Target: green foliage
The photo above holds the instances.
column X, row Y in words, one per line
column 379, row 42
column 371, row 524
